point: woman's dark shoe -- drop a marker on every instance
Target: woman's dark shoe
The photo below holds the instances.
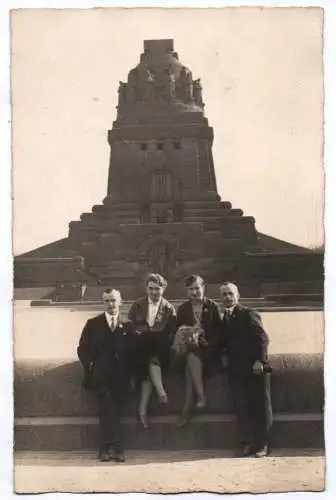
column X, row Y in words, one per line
column 201, row 403
column 184, row 419
column 163, row 399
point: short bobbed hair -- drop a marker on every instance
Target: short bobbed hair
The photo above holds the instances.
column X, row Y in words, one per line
column 157, row 279
column 190, row 280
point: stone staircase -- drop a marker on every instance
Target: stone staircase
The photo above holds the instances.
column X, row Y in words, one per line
column 92, row 300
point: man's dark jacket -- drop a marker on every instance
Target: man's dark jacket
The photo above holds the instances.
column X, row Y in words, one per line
column 106, row 355
column 245, row 340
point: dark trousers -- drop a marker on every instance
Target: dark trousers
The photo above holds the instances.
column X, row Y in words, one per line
column 252, row 403
column 109, row 415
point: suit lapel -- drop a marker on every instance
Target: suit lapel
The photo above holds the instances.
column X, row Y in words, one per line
column 235, row 317
column 105, row 325
column 205, row 309
column 235, row 313
column 119, row 332
column 189, row 313
column 141, row 310
column 160, row 312
column 144, row 308
column 102, row 328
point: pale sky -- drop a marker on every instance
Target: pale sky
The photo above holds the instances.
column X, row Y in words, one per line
column 261, row 71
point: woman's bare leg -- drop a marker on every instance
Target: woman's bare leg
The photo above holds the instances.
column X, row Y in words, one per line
column 188, row 399
column 146, row 392
column 189, row 392
column 155, row 374
column 196, row 372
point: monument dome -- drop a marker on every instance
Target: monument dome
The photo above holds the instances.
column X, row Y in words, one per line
column 160, row 87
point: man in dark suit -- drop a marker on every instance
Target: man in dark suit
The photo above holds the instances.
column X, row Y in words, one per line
column 105, row 351
column 245, row 342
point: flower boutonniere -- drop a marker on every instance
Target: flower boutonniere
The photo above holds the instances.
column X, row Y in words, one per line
column 159, row 317
column 205, row 310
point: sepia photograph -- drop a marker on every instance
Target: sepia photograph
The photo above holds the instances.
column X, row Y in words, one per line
column 168, row 237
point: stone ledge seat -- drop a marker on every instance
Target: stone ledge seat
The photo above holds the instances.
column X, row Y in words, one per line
column 53, row 411
column 53, row 388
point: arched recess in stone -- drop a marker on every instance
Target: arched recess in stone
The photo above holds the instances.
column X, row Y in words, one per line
column 162, row 197
column 161, row 185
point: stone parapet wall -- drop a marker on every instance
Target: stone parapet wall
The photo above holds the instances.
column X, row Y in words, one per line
column 53, row 411
column 53, row 388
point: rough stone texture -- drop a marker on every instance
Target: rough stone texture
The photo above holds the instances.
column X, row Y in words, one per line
column 162, row 211
column 53, row 388
column 53, row 411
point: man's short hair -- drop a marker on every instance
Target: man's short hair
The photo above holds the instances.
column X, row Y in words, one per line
column 190, row 280
column 157, row 279
column 108, row 291
column 229, row 283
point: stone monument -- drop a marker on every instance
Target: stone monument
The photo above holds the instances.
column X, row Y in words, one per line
column 162, row 212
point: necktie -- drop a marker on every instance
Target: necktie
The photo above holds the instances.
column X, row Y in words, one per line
column 113, row 323
column 227, row 315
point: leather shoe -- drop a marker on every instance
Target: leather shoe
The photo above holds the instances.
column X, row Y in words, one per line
column 120, row 457
column 262, row 452
column 249, row 450
column 105, row 456
column 163, row 399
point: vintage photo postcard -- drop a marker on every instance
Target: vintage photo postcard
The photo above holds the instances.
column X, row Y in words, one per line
column 168, row 249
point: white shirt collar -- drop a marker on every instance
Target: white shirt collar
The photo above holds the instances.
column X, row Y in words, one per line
column 154, row 304
column 109, row 317
column 227, row 309
column 230, row 309
column 153, row 309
